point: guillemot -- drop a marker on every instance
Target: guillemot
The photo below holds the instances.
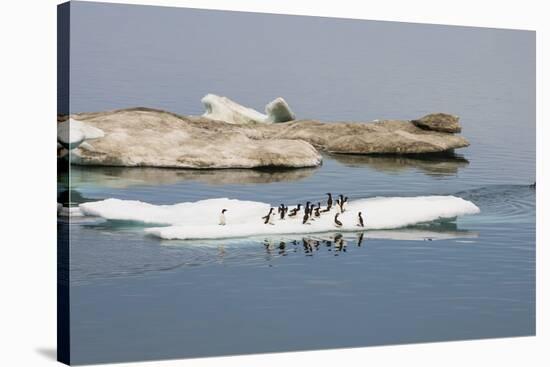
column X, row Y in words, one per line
column 337, row 223
column 306, row 217
column 343, row 203
column 268, row 219
column 282, row 211
column 329, row 201
column 360, row 222
column 222, row 217
column 339, row 205
column 295, row 211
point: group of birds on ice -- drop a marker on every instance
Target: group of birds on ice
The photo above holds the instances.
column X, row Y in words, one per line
column 310, row 212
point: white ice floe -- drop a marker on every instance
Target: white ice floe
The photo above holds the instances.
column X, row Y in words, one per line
column 65, row 211
column 199, row 220
column 224, row 109
column 72, row 133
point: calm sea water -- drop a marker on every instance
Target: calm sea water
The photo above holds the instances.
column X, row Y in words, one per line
column 136, row 297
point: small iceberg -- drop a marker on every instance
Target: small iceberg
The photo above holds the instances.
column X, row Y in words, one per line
column 224, row 109
column 73, row 133
column 199, row 220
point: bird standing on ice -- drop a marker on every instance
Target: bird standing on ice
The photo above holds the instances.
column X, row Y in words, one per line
column 339, row 206
column 337, row 223
column 222, row 217
column 329, row 201
column 268, row 219
column 343, row 203
column 360, row 222
column 306, row 217
column 295, row 211
column 282, row 211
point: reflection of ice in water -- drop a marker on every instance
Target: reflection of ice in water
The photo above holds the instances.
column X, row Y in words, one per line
column 118, row 249
column 434, row 164
column 430, row 232
column 122, row 177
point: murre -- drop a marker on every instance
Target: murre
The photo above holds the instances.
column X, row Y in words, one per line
column 222, row 217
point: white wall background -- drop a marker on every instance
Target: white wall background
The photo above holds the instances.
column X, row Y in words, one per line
column 27, row 179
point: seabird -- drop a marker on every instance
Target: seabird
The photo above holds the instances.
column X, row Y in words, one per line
column 344, row 202
column 306, row 217
column 360, row 222
column 339, row 205
column 268, row 218
column 222, row 217
column 295, row 211
column 337, row 223
column 282, row 210
column 306, row 209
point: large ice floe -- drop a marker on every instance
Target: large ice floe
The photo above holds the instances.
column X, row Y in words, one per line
column 200, row 220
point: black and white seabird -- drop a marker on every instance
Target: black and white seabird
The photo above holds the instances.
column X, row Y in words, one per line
column 282, row 211
column 339, row 205
column 306, row 217
column 295, row 211
column 268, row 218
column 329, row 201
column 343, row 203
column 311, row 208
column 222, row 217
column 337, row 223
column 360, row 222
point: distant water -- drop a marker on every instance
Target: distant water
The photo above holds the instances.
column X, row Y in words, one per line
column 136, row 297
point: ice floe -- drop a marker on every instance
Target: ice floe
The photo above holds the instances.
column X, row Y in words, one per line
column 199, row 220
column 73, row 133
column 224, row 109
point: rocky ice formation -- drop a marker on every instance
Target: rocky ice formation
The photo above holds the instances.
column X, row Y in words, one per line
column 232, row 136
column 224, row 109
column 382, row 137
column 441, row 122
column 154, row 138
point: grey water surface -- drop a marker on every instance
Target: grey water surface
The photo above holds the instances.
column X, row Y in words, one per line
column 135, row 297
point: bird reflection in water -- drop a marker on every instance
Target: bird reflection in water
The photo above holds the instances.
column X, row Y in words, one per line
column 268, row 247
column 221, row 253
column 282, row 248
column 309, row 245
column 339, row 244
column 308, row 249
column 360, row 239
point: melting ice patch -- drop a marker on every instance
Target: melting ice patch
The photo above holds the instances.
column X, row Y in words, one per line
column 199, row 220
column 224, row 109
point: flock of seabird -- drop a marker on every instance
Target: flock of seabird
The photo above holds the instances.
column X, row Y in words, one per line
column 310, row 212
